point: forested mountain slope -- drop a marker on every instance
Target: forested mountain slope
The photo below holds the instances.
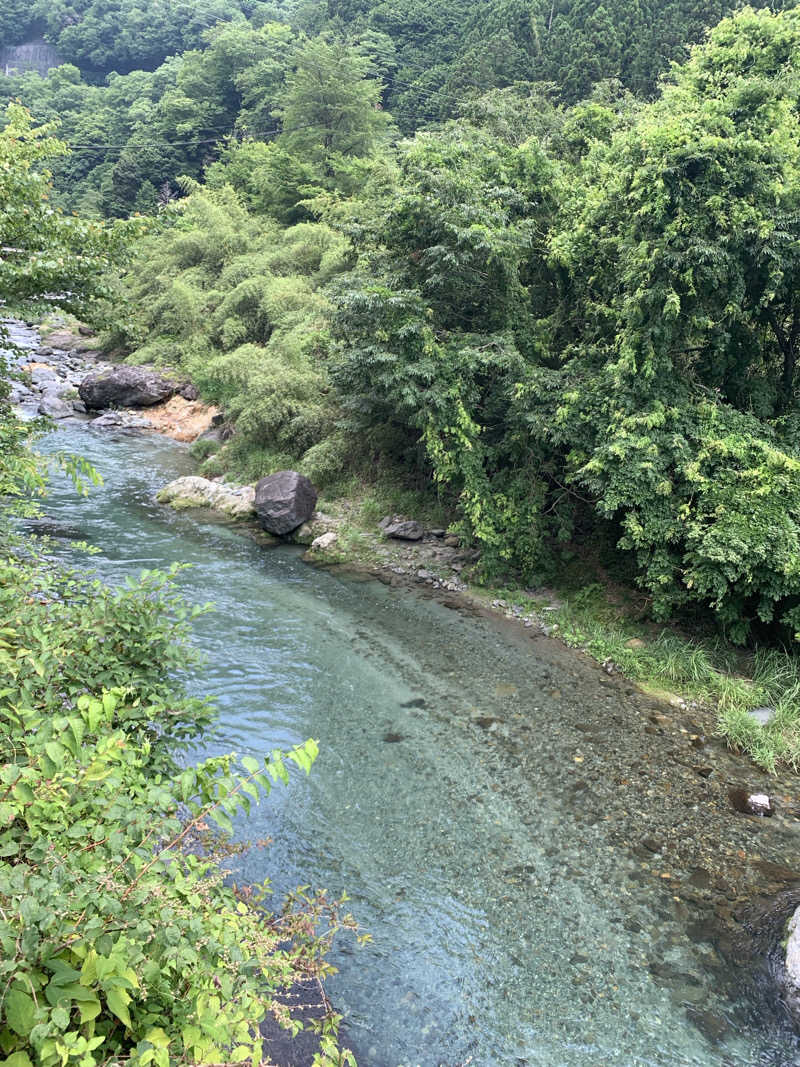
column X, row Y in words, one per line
column 429, row 55
column 437, row 48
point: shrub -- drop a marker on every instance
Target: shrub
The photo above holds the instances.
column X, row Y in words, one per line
column 119, row 937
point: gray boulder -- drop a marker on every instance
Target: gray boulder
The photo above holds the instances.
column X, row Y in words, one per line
column 44, row 378
column 55, row 407
column 125, row 387
column 402, row 529
column 122, row 420
column 284, row 501
column 59, row 387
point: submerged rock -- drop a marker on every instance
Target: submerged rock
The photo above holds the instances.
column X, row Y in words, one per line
column 122, row 420
column 748, row 803
column 195, row 492
column 45, row 526
column 126, row 387
column 792, row 965
column 284, row 501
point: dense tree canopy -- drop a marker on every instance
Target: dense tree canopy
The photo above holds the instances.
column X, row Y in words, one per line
column 181, row 79
column 571, row 316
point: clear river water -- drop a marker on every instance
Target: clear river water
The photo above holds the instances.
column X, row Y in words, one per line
column 546, row 860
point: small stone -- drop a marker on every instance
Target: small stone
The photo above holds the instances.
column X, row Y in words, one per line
column 324, row 541
column 747, row 803
column 635, row 642
column 762, row 716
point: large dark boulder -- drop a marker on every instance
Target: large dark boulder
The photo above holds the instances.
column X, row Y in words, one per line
column 284, row 501
column 124, row 387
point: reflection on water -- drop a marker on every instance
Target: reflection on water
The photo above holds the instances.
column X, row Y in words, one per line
column 540, row 864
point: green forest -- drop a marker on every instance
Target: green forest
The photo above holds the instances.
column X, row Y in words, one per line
column 533, row 261
column 574, row 320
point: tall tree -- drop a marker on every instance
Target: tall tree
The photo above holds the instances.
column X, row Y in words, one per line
column 332, row 105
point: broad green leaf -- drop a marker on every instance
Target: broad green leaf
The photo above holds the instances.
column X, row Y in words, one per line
column 118, row 1001
column 17, row 1059
column 20, row 1011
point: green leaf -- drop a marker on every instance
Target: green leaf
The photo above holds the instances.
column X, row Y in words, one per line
column 23, row 793
column 17, row 1059
column 20, row 1011
column 89, row 1009
column 118, row 1001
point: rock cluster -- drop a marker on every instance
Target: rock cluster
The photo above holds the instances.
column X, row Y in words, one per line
column 50, row 388
column 121, row 420
column 317, row 526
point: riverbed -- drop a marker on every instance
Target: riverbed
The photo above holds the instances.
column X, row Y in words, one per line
column 546, row 859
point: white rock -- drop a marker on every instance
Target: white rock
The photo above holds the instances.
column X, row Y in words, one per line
column 792, row 967
column 759, row 804
column 324, row 541
column 193, row 491
column 763, row 716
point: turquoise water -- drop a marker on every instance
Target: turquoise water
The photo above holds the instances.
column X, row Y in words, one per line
column 481, row 796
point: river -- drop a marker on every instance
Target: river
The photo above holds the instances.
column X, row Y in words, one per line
column 546, row 861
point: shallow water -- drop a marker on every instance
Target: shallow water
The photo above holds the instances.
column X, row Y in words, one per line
column 543, row 871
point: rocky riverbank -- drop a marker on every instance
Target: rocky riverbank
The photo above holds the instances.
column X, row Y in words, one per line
column 64, row 376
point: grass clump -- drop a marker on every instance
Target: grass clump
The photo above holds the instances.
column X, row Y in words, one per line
column 706, row 670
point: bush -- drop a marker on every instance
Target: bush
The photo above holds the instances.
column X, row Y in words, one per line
column 120, row 938
column 236, row 304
